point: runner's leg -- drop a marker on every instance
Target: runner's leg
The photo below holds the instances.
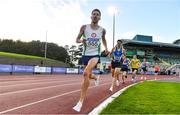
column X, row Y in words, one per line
column 85, row 84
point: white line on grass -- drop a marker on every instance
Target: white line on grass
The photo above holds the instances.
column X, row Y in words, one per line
column 101, row 106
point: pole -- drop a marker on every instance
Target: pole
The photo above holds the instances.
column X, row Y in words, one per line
column 45, row 50
column 113, row 28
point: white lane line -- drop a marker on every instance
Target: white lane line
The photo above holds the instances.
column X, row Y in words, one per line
column 21, row 91
column 37, row 80
column 37, row 83
column 102, row 105
column 25, row 80
column 36, row 102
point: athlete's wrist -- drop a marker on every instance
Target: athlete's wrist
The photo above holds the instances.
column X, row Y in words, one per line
column 80, row 41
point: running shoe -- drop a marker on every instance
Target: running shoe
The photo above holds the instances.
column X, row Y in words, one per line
column 77, row 107
column 97, row 80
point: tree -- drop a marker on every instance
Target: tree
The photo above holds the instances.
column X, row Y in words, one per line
column 35, row 48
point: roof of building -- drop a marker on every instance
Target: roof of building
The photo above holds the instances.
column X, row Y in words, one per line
column 177, row 42
column 158, row 44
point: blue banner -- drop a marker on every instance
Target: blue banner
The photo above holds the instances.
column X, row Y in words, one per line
column 95, row 71
column 58, row 70
column 5, row 68
column 81, row 70
column 48, row 70
column 21, row 68
column 72, row 70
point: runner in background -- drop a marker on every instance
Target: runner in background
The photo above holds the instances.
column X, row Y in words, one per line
column 144, row 67
column 124, row 68
column 116, row 63
column 135, row 64
column 156, row 71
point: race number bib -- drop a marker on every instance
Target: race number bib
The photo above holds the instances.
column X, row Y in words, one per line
column 92, row 42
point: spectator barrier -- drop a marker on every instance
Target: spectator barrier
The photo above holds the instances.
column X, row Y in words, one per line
column 5, row 68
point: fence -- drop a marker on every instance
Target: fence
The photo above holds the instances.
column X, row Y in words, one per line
column 5, row 68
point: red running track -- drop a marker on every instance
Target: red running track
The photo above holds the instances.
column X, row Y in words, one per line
column 52, row 94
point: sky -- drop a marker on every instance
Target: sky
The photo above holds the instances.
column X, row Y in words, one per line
column 59, row 21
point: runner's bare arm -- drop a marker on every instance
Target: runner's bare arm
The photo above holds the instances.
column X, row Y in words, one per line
column 81, row 32
column 124, row 51
column 110, row 53
column 104, row 40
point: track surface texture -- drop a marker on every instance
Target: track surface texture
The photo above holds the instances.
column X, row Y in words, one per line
column 54, row 94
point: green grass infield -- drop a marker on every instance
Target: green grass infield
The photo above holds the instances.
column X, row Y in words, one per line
column 149, row 97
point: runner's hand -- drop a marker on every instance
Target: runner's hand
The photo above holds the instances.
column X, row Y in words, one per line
column 83, row 41
column 107, row 52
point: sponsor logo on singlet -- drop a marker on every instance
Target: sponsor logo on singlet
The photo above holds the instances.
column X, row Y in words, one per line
column 93, row 35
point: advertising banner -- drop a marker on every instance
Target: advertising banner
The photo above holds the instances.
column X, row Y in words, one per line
column 48, row 69
column 95, row 71
column 21, row 68
column 72, row 70
column 5, row 68
column 58, row 70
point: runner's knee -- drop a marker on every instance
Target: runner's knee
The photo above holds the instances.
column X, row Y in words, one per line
column 134, row 72
column 86, row 73
column 117, row 70
column 124, row 73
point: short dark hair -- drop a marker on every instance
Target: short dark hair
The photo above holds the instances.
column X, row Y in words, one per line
column 119, row 41
column 96, row 10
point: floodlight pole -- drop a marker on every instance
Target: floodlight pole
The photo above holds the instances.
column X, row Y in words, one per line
column 113, row 28
column 45, row 49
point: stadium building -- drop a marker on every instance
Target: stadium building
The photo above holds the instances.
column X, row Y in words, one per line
column 165, row 54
